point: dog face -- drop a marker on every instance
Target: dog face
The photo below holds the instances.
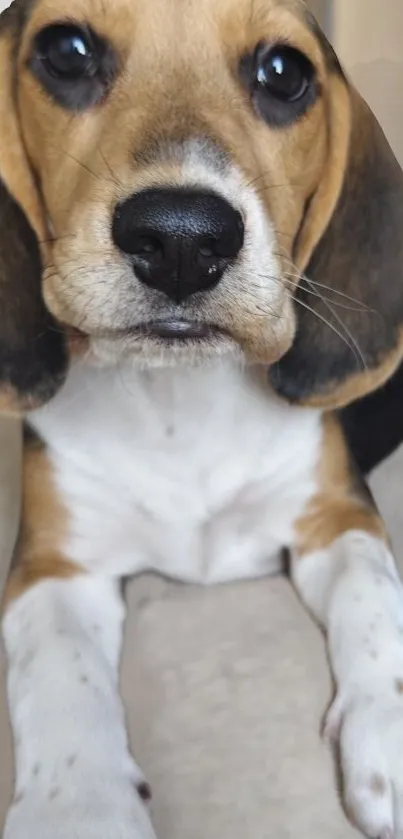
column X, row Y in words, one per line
column 201, row 179
column 173, row 179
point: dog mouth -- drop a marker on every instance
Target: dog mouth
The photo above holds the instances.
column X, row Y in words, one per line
column 164, row 341
column 180, row 330
column 169, row 339
column 166, row 330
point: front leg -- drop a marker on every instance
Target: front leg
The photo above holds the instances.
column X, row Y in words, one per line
column 344, row 570
column 75, row 777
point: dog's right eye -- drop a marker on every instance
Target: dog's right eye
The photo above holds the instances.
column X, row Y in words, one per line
column 67, row 52
column 73, row 64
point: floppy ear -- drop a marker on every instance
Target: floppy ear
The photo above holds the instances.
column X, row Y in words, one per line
column 349, row 304
column 32, row 350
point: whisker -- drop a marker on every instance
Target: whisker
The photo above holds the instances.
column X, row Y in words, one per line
column 283, row 234
column 287, row 280
column 331, row 326
column 268, row 173
column 347, row 332
column 84, row 166
column 52, row 240
column 300, row 275
column 304, row 285
column 115, row 179
column 346, row 336
column 360, row 303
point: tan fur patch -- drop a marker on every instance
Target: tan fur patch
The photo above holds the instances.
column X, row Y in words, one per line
column 14, row 168
column 325, row 199
column 44, row 520
column 339, row 505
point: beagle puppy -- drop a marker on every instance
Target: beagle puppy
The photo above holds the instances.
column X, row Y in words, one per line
column 201, row 261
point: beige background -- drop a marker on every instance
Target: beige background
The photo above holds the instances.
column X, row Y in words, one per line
column 368, row 36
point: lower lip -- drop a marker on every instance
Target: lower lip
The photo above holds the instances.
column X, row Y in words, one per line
column 180, row 330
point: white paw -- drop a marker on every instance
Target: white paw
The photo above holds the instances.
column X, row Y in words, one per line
column 367, row 726
column 106, row 811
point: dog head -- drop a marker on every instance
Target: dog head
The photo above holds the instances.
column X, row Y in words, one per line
column 183, row 180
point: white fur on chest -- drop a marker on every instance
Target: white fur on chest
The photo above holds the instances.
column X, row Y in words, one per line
column 196, row 473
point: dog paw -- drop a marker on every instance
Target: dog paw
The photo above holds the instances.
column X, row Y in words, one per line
column 103, row 812
column 367, row 727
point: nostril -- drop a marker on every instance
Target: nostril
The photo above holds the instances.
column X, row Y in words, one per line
column 142, row 247
column 225, row 246
column 208, row 250
column 146, row 247
column 211, row 260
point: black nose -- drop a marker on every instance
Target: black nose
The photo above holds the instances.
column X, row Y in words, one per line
column 180, row 240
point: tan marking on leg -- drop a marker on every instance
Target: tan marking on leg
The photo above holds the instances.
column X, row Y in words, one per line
column 38, row 554
column 29, row 573
column 341, row 503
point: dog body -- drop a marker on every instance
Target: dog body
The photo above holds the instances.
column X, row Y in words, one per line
column 204, row 475
column 200, row 261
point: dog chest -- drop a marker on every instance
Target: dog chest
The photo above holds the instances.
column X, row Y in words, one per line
column 196, row 473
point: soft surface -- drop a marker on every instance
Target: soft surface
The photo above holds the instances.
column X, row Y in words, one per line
column 225, row 689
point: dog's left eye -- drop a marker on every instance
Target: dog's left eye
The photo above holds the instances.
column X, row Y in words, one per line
column 284, row 73
column 74, row 64
column 282, row 83
column 67, row 52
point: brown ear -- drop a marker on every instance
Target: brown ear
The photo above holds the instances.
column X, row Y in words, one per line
column 349, row 303
column 32, row 350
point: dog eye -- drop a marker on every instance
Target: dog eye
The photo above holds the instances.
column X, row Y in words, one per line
column 66, row 52
column 73, row 64
column 281, row 81
column 284, row 73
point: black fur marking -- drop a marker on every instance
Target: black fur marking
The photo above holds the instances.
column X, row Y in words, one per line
column 33, row 357
column 373, row 426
